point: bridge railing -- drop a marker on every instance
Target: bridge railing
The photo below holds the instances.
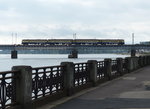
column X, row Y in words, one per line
column 114, row 67
column 47, row 81
column 101, row 70
column 81, row 74
column 32, row 87
column 8, row 88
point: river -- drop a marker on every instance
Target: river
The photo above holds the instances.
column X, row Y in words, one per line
column 38, row 60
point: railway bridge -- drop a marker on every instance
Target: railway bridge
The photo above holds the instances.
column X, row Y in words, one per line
column 63, row 49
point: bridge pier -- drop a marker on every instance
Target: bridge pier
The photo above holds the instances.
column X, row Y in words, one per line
column 14, row 54
column 133, row 53
column 73, row 54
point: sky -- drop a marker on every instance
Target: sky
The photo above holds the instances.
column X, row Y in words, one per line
column 94, row 19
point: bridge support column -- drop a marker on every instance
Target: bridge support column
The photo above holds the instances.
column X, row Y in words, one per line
column 133, row 52
column 68, row 77
column 120, row 65
column 14, row 54
column 92, row 68
column 108, row 68
column 73, row 54
column 23, row 86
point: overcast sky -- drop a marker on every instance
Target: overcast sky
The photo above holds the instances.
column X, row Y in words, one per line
column 106, row 19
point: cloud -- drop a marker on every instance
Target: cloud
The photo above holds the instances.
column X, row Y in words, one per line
column 87, row 18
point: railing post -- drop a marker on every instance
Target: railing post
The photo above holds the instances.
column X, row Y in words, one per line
column 140, row 61
column 148, row 60
column 24, row 86
column 108, row 68
column 144, row 60
column 68, row 69
column 129, row 64
column 136, row 60
column 92, row 68
column 120, row 66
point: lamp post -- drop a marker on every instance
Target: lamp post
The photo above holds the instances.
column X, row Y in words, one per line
column 133, row 51
column 132, row 38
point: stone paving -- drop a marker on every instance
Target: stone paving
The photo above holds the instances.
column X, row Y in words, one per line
column 131, row 91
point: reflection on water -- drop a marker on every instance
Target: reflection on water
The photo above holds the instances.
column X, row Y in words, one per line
column 38, row 60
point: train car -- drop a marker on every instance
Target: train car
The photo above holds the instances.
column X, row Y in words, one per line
column 73, row 42
column 34, row 41
column 111, row 42
column 99, row 41
column 59, row 41
column 85, row 41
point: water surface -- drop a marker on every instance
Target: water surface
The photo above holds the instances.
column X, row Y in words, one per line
column 38, row 60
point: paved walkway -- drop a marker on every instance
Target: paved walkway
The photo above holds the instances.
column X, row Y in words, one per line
column 131, row 91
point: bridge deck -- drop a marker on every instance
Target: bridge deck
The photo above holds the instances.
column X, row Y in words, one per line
column 61, row 49
column 131, row 91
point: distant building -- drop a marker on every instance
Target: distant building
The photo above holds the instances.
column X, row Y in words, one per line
column 145, row 43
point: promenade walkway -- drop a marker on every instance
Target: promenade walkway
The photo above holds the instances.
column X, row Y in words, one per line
column 131, row 91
